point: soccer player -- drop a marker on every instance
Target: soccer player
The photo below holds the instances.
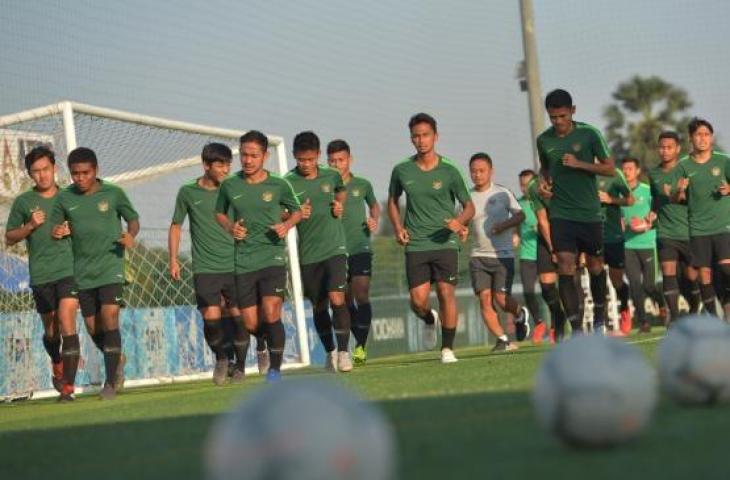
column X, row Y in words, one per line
column 614, row 192
column 492, row 263
column 528, row 256
column 672, row 230
column 89, row 211
column 212, row 252
column 358, row 228
column 432, row 184
column 703, row 183
column 571, row 155
column 322, row 249
column 51, row 268
column 258, row 199
column 641, row 268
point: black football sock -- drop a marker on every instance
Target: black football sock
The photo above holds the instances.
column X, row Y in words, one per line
column 98, row 339
column 447, row 337
column 341, row 320
column 276, row 338
column 569, row 297
column 261, row 339
column 53, row 347
column 352, row 308
column 598, row 291
column 70, row 353
column 323, row 324
column 362, row 325
column 228, row 324
column 112, row 354
column 213, row 332
column 671, row 295
column 622, row 293
column 695, row 296
column 552, row 299
column 708, row 298
column 241, row 341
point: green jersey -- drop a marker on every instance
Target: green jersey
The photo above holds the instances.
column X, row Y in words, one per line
column 96, row 227
column 260, row 206
column 617, row 187
column 528, row 231
column 575, row 195
column 671, row 222
column 321, row 236
column 708, row 212
column 533, row 195
column 48, row 259
column 640, row 209
column 357, row 234
column 430, row 201
column 212, row 246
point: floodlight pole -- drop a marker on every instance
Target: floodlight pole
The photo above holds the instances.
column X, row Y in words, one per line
column 532, row 76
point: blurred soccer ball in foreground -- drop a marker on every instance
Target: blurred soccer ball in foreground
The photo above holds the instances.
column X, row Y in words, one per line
column 303, row 430
column 694, row 361
column 595, row 391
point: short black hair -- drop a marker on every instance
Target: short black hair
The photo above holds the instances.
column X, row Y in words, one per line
column 37, row 153
column 338, row 145
column 480, row 156
column 422, row 118
column 526, row 172
column 668, row 134
column 82, row 155
column 696, row 123
column 307, row 140
column 558, row 98
column 633, row 160
column 254, row 136
column 216, row 152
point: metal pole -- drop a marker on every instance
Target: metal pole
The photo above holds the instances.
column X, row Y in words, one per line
column 532, row 75
column 69, row 127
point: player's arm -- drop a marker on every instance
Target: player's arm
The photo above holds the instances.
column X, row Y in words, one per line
column 461, row 222
column 130, row 215
column 605, row 164
column 395, row 190
column 543, row 227
column 679, row 192
column 289, row 204
column 59, row 220
column 373, row 209
column 517, row 216
column 235, row 229
column 173, row 235
column 18, row 228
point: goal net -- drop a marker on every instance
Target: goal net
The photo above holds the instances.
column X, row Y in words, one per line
column 161, row 328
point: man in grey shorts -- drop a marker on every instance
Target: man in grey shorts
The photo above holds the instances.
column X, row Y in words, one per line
column 492, row 264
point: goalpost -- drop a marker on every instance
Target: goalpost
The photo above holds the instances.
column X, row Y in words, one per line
column 150, row 157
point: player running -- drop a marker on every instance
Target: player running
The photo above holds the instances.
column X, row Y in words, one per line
column 703, row 183
column 258, row 199
column 322, row 249
column 432, row 184
column 358, row 228
column 492, row 263
column 51, row 268
column 571, row 155
column 672, row 230
column 90, row 212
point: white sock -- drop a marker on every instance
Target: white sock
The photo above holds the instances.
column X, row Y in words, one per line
column 504, row 338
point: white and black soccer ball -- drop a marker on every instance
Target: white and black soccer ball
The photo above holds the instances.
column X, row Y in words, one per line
column 301, row 430
column 594, row 391
column 694, row 361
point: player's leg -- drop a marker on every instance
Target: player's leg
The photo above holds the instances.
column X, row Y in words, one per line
column 109, row 298
column 272, row 287
column 615, row 257
column 647, row 257
column 636, row 287
column 336, row 282
column 418, row 275
column 503, row 274
column 670, row 284
column 444, row 267
column 702, row 259
column 68, row 305
column 721, row 248
column 688, row 277
column 565, row 245
column 548, row 277
column 528, row 276
column 46, row 303
column 207, row 287
column 590, row 241
column 229, row 314
column 359, row 270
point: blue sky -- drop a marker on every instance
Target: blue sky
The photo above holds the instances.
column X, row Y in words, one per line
column 358, row 70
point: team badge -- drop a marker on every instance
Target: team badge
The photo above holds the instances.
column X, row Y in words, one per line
column 437, row 185
column 326, row 188
column 602, row 184
column 356, row 193
column 103, row 206
column 715, row 171
column 267, row 196
column 576, row 147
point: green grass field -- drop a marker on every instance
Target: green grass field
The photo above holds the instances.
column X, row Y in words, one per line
column 468, row 420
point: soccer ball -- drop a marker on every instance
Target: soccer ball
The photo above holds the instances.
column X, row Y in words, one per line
column 303, row 430
column 594, row 391
column 694, row 361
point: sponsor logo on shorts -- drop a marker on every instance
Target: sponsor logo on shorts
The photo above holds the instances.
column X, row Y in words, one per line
column 117, row 299
column 341, row 286
column 326, row 188
column 267, row 196
column 103, row 206
column 366, row 271
column 715, row 171
column 452, row 278
column 278, row 290
column 437, row 184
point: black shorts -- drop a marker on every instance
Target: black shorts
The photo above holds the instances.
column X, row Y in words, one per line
column 360, row 265
column 251, row 287
column 674, row 250
column 432, row 266
column 614, row 254
column 210, row 287
column 92, row 299
column 545, row 262
column 48, row 295
column 320, row 278
column 709, row 249
column 495, row 274
column 575, row 237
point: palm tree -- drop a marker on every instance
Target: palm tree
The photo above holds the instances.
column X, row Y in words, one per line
column 643, row 108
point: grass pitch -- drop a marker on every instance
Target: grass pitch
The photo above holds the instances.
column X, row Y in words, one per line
column 468, row 420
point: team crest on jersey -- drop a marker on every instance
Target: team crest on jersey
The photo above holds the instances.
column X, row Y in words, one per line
column 576, row 147
column 437, row 185
column 103, row 206
column 326, row 188
column 267, row 196
column 602, row 184
column 356, row 193
column 715, row 171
